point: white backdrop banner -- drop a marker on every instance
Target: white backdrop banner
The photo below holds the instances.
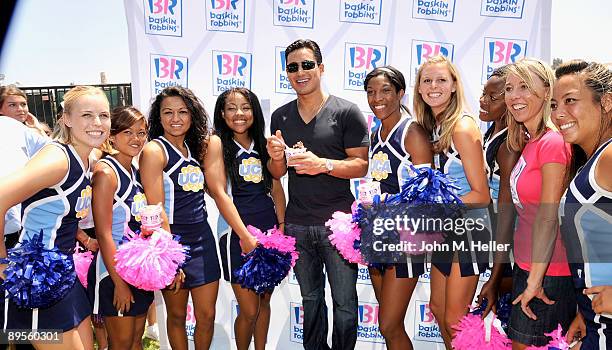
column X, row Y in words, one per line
column 212, row 45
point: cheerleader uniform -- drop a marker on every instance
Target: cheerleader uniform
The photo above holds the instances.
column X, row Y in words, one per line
column 492, row 143
column 128, row 199
column 472, row 261
column 254, row 204
column 586, row 219
column 390, row 165
column 491, row 146
column 184, row 204
column 55, row 211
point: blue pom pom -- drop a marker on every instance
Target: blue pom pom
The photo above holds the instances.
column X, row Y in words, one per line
column 504, row 306
column 37, row 277
column 263, row 269
column 428, row 194
column 429, row 186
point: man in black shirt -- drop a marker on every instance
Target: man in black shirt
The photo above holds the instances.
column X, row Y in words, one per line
column 335, row 135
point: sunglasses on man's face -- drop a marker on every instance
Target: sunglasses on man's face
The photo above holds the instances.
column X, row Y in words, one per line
column 306, row 65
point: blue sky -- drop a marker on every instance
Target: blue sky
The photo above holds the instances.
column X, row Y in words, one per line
column 72, row 41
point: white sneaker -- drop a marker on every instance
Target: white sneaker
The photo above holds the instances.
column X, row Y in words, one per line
column 152, row 332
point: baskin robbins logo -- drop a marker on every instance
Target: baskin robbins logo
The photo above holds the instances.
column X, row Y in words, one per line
column 359, row 59
column 282, row 85
column 294, row 13
column 426, row 276
column 296, row 315
column 422, row 50
column 502, row 8
column 231, row 69
column 190, row 320
column 168, row 71
column 371, row 121
column 163, row 17
column 225, row 15
column 363, row 275
column 499, row 52
column 425, row 326
column 367, row 327
column 435, row 10
column 360, row 11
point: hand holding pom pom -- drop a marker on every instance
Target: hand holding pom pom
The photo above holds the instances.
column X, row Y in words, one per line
column 82, row 260
column 150, row 263
column 269, row 263
column 344, row 236
column 472, row 332
column 37, row 277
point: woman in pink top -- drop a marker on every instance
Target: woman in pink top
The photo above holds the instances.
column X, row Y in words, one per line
column 542, row 287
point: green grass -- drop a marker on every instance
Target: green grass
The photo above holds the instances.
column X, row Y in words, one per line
column 149, row 344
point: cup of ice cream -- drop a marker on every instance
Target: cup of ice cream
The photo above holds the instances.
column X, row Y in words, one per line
column 150, row 217
column 367, row 191
column 298, row 148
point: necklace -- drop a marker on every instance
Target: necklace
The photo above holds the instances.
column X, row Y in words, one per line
column 316, row 111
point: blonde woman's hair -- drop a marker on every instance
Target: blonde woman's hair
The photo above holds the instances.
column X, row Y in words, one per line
column 62, row 133
column 10, row 90
column 456, row 108
column 526, row 69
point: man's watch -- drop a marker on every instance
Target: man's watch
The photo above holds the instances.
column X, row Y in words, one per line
column 329, row 165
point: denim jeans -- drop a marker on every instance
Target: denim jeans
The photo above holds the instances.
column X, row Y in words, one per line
column 315, row 252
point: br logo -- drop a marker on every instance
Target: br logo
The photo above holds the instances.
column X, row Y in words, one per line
column 293, row 2
column 283, row 60
column 168, row 68
column 365, row 57
column 499, row 52
column 282, row 81
column 297, row 314
column 372, row 122
column 231, row 64
column 296, row 324
column 162, row 6
column 425, row 314
column 504, row 51
column 224, row 4
column 358, row 60
column 368, row 313
column 423, row 50
column 426, row 50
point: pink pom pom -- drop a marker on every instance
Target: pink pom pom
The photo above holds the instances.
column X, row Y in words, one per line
column 470, row 335
column 344, row 234
column 149, row 263
column 276, row 239
column 558, row 341
column 82, row 260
